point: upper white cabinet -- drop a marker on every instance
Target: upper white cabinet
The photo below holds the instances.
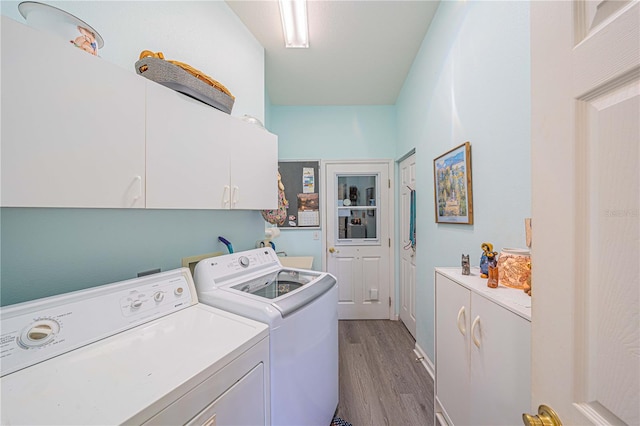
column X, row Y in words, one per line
column 73, row 131
column 201, row 158
column 483, row 351
column 254, row 167
column 78, row 131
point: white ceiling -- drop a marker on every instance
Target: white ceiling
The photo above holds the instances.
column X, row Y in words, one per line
column 360, row 51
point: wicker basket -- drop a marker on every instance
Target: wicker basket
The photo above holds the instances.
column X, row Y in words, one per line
column 184, row 79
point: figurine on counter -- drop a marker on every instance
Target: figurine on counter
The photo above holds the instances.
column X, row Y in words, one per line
column 492, row 282
column 489, row 257
column 466, row 266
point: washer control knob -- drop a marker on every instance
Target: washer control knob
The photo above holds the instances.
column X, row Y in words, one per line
column 158, row 296
column 136, row 304
column 39, row 333
column 178, row 291
column 244, row 261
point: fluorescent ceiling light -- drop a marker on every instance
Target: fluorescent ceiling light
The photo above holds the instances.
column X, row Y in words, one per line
column 294, row 23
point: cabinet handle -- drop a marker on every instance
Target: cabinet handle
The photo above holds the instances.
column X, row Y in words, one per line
column 137, row 197
column 461, row 327
column 225, row 196
column 211, row 421
column 234, row 197
column 476, row 322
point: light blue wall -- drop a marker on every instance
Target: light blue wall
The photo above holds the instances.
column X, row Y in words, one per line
column 328, row 133
column 334, row 132
column 51, row 251
column 469, row 82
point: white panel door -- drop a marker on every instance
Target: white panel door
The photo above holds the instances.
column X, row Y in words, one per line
column 72, row 125
column 358, row 236
column 585, row 202
column 187, row 154
column 407, row 248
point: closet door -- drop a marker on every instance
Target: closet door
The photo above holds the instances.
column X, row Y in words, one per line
column 187, row 152
column 72, row 125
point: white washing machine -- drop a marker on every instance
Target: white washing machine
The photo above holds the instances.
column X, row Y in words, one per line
column 301, row 309
column 142, row 351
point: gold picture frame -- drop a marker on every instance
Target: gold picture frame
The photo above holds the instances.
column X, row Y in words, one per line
column 453, row 190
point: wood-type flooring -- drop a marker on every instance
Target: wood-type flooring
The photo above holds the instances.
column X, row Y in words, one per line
column 381, row 383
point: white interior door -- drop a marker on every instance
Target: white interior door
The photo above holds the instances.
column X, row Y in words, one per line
column 358, row 236
column 407, row 249
column 585, row 202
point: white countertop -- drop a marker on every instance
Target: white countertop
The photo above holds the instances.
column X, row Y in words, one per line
column 512, row 299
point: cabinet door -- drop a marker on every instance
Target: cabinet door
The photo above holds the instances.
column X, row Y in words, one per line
column 452, row 348
column 72, row 125
column 254, row 165
column 500, row 364
column 187, row 152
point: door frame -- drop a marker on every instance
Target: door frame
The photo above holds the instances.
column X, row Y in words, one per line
column 390, row 215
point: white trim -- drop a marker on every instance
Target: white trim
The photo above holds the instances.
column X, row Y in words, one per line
column 405, row 156
column 426, row 362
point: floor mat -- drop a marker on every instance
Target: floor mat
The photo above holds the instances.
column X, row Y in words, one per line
column 337, row 421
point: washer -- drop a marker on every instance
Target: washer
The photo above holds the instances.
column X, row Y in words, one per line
column 142, row 351
column 301, row 309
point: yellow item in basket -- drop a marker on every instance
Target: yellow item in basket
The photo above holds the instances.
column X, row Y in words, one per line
column 196, row 73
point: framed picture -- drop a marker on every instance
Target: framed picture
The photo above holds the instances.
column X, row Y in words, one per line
column 452, row 186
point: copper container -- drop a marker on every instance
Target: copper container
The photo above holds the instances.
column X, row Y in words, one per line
column 514, row 267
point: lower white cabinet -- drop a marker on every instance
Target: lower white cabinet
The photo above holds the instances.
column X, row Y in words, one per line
column 201, row 158
column 483, row 351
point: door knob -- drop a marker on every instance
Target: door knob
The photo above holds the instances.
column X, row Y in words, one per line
column 546, row 417
column 332, row 250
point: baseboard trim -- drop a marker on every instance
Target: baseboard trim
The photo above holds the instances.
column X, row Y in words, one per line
column 425, row 361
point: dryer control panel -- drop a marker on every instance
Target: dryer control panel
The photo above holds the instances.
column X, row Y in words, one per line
column 41, row 329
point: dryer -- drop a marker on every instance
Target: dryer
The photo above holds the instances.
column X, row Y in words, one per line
column 141, row 351
column 301, row 309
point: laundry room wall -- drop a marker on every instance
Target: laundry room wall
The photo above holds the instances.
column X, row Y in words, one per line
column 51, row 251
column 469, row 82
column 329, row 133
